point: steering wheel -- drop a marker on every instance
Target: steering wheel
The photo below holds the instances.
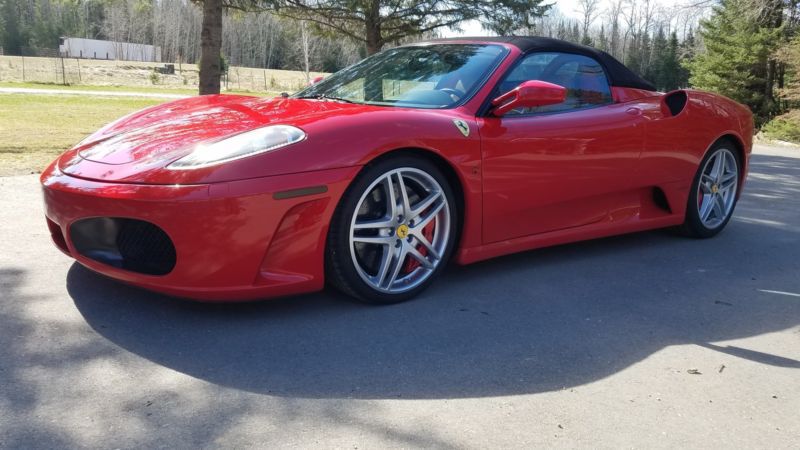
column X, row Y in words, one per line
column 455, row 94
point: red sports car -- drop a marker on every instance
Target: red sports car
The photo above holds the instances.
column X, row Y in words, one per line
column 373, row 178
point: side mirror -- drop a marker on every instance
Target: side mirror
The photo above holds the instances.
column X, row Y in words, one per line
column 529, row 94
column 316, row 80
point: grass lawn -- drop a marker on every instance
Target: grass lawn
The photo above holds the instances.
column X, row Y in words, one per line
column 34, row 129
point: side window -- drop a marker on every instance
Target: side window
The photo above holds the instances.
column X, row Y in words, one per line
column 585, row 80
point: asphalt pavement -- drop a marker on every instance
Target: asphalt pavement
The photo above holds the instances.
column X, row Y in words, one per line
column 647, row 340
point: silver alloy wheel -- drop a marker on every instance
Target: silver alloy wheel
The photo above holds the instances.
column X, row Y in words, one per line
column 400, row 230
column 716, row 194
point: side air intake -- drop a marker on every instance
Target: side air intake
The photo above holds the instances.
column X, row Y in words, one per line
column 675, row 102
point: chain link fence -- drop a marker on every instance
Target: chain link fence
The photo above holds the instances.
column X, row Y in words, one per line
column 74, row 71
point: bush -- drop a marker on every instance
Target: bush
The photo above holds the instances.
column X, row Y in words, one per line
column 785, row 127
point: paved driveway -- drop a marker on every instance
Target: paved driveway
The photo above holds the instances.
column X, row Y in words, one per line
column 648, row 340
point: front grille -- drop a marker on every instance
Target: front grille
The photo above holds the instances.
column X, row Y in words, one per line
column 128, row 244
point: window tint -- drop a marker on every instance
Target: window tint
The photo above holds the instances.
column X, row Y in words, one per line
column 584, row 78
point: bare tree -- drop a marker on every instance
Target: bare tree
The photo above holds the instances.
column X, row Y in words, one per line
column 589, row 10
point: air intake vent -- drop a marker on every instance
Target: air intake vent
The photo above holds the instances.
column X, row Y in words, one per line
column 128, row 244
column 676, row 102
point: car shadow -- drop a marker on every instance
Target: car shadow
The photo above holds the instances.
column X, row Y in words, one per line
column 532, row 322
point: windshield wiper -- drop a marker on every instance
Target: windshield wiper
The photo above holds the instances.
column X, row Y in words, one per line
column 328, row 97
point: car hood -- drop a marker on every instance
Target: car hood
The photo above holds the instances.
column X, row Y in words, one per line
column 139, row 147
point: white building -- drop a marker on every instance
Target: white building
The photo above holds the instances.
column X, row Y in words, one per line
column 95, row 49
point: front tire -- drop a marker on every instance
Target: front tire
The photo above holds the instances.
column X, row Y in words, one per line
column 713, row 196
column 393, row 231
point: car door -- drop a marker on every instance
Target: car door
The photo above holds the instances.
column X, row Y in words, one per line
column 560, row 166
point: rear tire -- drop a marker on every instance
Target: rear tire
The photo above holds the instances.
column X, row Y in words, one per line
column 393, row 231
column 714, row 192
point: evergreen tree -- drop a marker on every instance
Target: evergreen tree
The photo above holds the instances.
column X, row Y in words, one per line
column 789, row 54
column 672, row 74
column 655, row 70
column 738, row 47
column 602, row 40
column 562, row 31
column 574, row 34
column 12, row 37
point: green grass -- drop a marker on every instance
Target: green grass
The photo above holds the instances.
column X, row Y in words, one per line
column 34, row 129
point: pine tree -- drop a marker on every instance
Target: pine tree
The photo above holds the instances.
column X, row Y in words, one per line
column 655, row 70
column 738, row 46
column 602, row 40
column 686, row 54
column 789, row 54
column 12, row 37
column 671, row 71
column 574, row 34
column 562, row 31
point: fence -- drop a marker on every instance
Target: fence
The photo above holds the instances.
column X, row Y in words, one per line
column 41, row 52
column 73, row 71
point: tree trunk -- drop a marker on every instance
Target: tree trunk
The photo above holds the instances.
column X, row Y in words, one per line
column 210, row 47
column 373, row 29
column 305, row 38
column 373, row 43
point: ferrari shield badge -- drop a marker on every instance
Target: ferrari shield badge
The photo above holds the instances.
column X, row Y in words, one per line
column 462, row 127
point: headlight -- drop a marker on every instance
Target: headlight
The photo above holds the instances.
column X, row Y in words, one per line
column 242, row 145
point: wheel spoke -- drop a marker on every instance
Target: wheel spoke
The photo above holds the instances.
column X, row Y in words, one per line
column 428, row 246
column 419, row 225
column 386, row 262
column 391, row 208
column 704, row 188
column 719, row 207
column 706, row 207
column 383, row 240
column 403, row 195
column 718, row 167
column 396, row 263
column 377, row 224
column 420, row 207
column 414, row 253
column 727, row 181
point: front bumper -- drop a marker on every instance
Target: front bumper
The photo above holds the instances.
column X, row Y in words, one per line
column 240, row 240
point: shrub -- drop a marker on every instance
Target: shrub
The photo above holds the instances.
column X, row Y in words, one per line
column 785, row 127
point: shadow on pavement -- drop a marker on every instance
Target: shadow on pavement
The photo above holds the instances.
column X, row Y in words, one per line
column 526, row 323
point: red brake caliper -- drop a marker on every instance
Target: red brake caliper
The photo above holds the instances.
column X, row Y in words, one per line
column 412, row 263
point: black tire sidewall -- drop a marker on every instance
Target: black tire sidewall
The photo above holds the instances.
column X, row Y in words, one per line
column 340, row 271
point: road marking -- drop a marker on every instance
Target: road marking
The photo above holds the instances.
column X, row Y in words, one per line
column 790, row 294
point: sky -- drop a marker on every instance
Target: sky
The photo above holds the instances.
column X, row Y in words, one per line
column 568, row 8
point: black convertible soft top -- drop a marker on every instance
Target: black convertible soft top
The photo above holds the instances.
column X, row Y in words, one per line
column 618, row 74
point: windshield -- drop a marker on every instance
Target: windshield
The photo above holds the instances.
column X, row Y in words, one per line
column 431, row 76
